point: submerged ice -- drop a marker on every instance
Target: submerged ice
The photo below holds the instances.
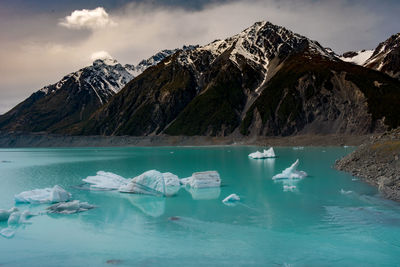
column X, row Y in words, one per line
column 291, row 173
column 14, row 218
column 70, row 207
column 270, row 153
column 5, row 214
column 46, row 195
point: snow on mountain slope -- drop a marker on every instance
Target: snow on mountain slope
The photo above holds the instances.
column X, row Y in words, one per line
column 358, row 58
column 386, row 57
column 258, row 45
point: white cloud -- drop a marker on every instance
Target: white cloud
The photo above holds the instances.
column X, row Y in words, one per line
column 100, row 55
column 88, row 19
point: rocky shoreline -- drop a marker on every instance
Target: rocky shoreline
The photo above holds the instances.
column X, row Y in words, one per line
column 377, row 162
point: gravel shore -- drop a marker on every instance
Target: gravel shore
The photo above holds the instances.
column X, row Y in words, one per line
column 10, row 140
column 377, row 162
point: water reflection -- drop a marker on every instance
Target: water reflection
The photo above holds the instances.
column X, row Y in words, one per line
column 204, row 193
column 150, row 205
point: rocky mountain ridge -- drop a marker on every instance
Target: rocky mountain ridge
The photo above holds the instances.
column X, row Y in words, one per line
column 264, row 81
column 76, row 96
column 385, row 57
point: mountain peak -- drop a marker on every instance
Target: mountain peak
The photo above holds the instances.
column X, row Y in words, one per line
column 105, row 61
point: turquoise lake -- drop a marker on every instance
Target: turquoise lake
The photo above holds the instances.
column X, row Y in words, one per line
column 329, row 219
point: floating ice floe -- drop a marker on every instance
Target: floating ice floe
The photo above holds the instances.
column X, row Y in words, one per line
column 270, row 153
column 344, row 192
column 153, row 183
column 231, row 200
column 291, row 173
column 70, row 207
column 298, row 148
column 202, row 180
column 106, row 181
column 5, row 214
column 46, row 195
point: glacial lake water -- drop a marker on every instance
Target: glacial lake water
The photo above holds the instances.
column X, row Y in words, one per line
column 329, row 219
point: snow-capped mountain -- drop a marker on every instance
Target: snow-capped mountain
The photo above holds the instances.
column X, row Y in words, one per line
column 155, row 59
column 257, row 45
column 386, row 57
column 76, row 96
column 265, row 80
column 105, row 77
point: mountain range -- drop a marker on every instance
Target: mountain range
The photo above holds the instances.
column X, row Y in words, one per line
column 264, row 81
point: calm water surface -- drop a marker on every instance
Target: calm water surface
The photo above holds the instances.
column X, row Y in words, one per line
column 330, row 219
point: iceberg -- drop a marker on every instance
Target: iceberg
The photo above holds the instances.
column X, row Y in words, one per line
column 202, row 180
column 231, row 200
column 46, row 195
column 105, row 181
column 153, row 183
column 291, row 173
column 270, row 153
column 70, row 207
column 5, row 214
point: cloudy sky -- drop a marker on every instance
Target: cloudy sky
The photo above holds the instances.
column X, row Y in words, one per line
column 41, row 41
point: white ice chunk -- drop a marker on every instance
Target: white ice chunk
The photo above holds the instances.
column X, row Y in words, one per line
column 231, row 200
column 344, row 192
column 270, row 153
column 70, row 207
column 46, row 195
column 5, row 214
column 7, row 232
column 106, row 180
column 202, row 180
column 153, row 183
column 291, row 173
column 298, row 148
